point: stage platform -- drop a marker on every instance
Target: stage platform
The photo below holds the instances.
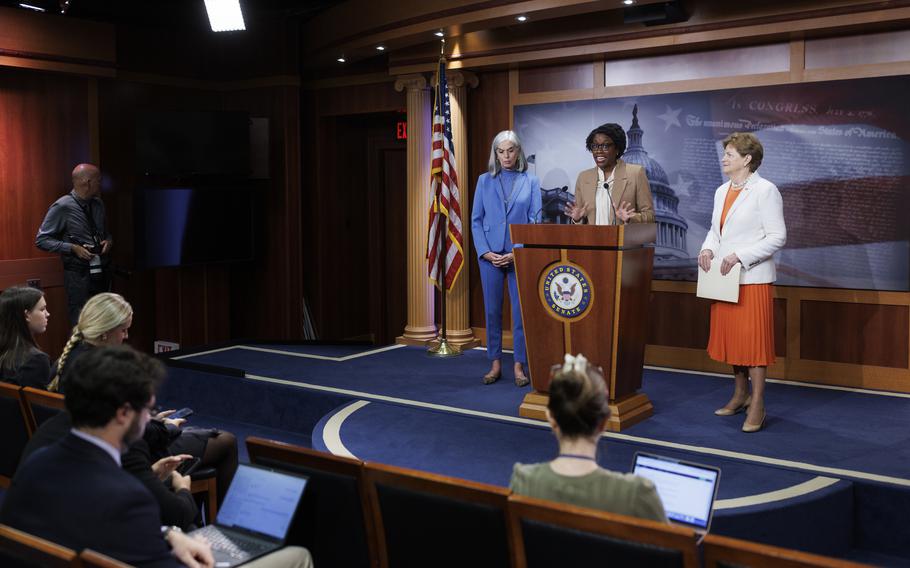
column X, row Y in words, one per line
column 830, row 473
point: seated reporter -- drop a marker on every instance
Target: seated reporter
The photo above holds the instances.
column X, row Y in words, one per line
column 23, row 315
column 578, row 412
column 105, row 320
column 74, row 492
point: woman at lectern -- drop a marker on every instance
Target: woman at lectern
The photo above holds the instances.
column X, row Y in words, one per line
column 506, row 194
column 612, row 192
column 578, row 412
column 747, row 228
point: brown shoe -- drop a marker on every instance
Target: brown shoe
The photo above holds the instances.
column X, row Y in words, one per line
column 522, row 381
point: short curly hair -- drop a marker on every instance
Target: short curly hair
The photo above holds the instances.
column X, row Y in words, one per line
column 614, row 132
column 747, row 144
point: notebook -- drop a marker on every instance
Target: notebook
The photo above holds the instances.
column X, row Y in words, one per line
column 256, row 514
column 687, row 489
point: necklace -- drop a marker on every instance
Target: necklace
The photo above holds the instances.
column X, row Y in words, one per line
column 506, row 198
column 741, row 184
column 577, row 457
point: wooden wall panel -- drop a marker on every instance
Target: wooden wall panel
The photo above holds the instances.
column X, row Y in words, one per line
column 556, row 78
column 44, row 132
column 488, row 114
column 862, row 334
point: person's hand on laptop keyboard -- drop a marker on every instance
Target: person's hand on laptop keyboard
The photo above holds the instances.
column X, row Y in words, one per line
column 193, row 553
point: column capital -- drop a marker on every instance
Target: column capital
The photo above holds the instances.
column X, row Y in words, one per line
column 412, row 82
column 462, row 78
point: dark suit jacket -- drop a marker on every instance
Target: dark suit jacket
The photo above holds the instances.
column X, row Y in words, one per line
column 176, row 507
column 74, row 494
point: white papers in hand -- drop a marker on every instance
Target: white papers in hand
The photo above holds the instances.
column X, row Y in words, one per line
column 713, row 286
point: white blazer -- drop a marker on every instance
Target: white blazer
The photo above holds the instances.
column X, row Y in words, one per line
column 754, row 229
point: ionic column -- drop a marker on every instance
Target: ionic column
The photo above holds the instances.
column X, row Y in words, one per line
column 458, row 311
column 420, row 327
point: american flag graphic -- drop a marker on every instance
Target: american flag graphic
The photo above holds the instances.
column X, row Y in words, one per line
column 444, row 187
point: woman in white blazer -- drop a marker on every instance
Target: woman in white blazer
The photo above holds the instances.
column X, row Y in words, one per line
column 747, row 228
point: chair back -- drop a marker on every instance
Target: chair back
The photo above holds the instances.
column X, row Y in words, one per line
column 41, row 405
column 15, row 428
column 334, row 521
column 726, row 552
column 424, row 519
column 92, row 559
column 554, row 534
column 19, row 549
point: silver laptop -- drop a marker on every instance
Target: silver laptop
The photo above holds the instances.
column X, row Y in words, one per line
column 256, row 515
column 687, row 489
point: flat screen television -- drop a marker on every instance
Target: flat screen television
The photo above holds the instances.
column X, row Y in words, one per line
column 182, row 226
column 174, row 143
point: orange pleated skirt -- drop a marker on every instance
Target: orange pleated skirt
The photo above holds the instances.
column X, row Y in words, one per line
column 743, row 333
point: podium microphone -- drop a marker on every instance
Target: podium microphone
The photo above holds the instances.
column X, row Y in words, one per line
column 612, row 205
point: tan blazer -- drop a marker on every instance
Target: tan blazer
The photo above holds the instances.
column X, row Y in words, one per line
column 629, row 184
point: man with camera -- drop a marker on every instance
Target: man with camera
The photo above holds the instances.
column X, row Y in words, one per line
column 75, row 228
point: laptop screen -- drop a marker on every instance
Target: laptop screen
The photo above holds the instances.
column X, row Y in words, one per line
column 686, row 489
column 261, row 501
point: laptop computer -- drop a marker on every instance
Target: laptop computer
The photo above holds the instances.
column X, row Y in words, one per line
column 256, row 515
column 687, row 489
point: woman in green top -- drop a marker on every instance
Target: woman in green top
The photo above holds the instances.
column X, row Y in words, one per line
column 578, row 413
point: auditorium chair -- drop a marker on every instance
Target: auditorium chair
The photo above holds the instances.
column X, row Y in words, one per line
column 92, row 559
column 41, row 405
column 19, row 549
column 334, row 522
column 424, row 519
column 547, row 534
column 15, row 428
column 725, row 552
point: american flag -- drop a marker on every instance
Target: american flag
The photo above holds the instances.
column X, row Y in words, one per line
column 444, row 187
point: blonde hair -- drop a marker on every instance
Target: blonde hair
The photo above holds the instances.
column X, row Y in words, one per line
column 100, row 315
column 579, row 401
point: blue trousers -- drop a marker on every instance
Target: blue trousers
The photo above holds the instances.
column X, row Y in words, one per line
column 492, row 279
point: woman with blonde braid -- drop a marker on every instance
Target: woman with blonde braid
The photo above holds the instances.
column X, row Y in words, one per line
column 578, row 412
column 105, row 320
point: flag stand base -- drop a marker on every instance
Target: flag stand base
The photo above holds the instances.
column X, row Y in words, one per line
column 443, row 348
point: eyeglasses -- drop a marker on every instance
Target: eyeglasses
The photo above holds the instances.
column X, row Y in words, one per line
column 602, row 147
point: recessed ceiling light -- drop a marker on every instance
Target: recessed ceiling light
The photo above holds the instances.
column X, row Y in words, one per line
column 522, row 18
column 628, row 2
column 439, row 34
column 340, row 60
column 225, row 15
column 380, row 48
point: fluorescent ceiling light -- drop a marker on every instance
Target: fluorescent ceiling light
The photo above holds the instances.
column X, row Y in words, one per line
column 30, row 7
column 225, row 15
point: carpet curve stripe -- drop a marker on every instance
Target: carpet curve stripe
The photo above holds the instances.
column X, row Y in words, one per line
column 331, row 434
column 294, row 353
column 797, row 490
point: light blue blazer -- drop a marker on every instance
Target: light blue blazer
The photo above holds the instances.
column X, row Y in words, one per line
column 489, row 219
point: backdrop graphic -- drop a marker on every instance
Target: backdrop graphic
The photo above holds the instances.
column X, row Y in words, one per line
column 838, row 151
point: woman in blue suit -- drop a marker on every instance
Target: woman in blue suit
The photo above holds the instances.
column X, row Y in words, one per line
column 505, row 194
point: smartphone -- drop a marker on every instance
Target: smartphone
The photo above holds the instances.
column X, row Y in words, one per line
column 188, row 466
column 182, row 413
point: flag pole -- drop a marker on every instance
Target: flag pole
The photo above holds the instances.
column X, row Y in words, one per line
column 442, row 348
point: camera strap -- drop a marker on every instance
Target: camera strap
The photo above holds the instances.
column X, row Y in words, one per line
column 87, row 211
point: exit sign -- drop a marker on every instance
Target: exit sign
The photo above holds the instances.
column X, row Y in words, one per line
column 401, row 130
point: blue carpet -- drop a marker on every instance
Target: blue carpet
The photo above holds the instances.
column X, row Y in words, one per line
column 822, row 427
column 865, row 433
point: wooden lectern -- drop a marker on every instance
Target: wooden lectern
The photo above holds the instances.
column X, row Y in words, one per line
column 585, row 289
